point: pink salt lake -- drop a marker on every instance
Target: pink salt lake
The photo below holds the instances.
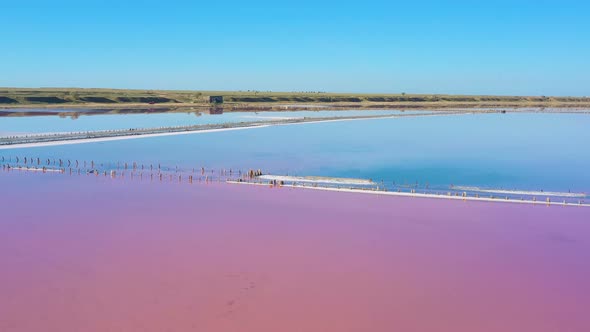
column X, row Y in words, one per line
column 94, row 254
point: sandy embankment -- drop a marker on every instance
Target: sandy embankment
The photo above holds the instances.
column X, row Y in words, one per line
column 414, row 194
column 119, row 138
column 135, row 135
column 318, row 179
column 520, row 192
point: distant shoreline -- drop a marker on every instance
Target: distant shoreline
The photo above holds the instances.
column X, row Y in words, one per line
column 55, row 98
column 235, row 107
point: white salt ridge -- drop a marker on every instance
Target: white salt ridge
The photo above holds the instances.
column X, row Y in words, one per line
column 520, row 192
column 317, row 179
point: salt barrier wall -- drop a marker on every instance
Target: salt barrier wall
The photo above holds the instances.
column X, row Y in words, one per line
column 91, row 254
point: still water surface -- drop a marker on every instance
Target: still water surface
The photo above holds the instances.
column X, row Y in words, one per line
column 512, row 151
column 70, row 121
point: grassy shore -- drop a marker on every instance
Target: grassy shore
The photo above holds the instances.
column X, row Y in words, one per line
column 113, row 99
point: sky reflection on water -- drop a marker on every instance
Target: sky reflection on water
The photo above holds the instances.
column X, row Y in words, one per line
column 512, row 151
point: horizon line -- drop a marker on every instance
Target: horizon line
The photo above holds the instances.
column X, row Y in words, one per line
column 292, row 91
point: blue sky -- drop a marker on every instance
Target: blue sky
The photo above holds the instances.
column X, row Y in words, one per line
column 456, row 47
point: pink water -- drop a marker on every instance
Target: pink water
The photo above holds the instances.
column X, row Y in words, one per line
column 93, row 254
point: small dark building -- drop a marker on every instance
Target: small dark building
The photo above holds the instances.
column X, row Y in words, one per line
column 216, row 99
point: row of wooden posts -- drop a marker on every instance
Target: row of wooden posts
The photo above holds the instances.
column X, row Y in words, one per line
column 160, row 173
column 120, row 165
column 114, row 174
column 251, row 175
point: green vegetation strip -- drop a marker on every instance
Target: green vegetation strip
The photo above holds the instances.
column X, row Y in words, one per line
column 60, row 97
